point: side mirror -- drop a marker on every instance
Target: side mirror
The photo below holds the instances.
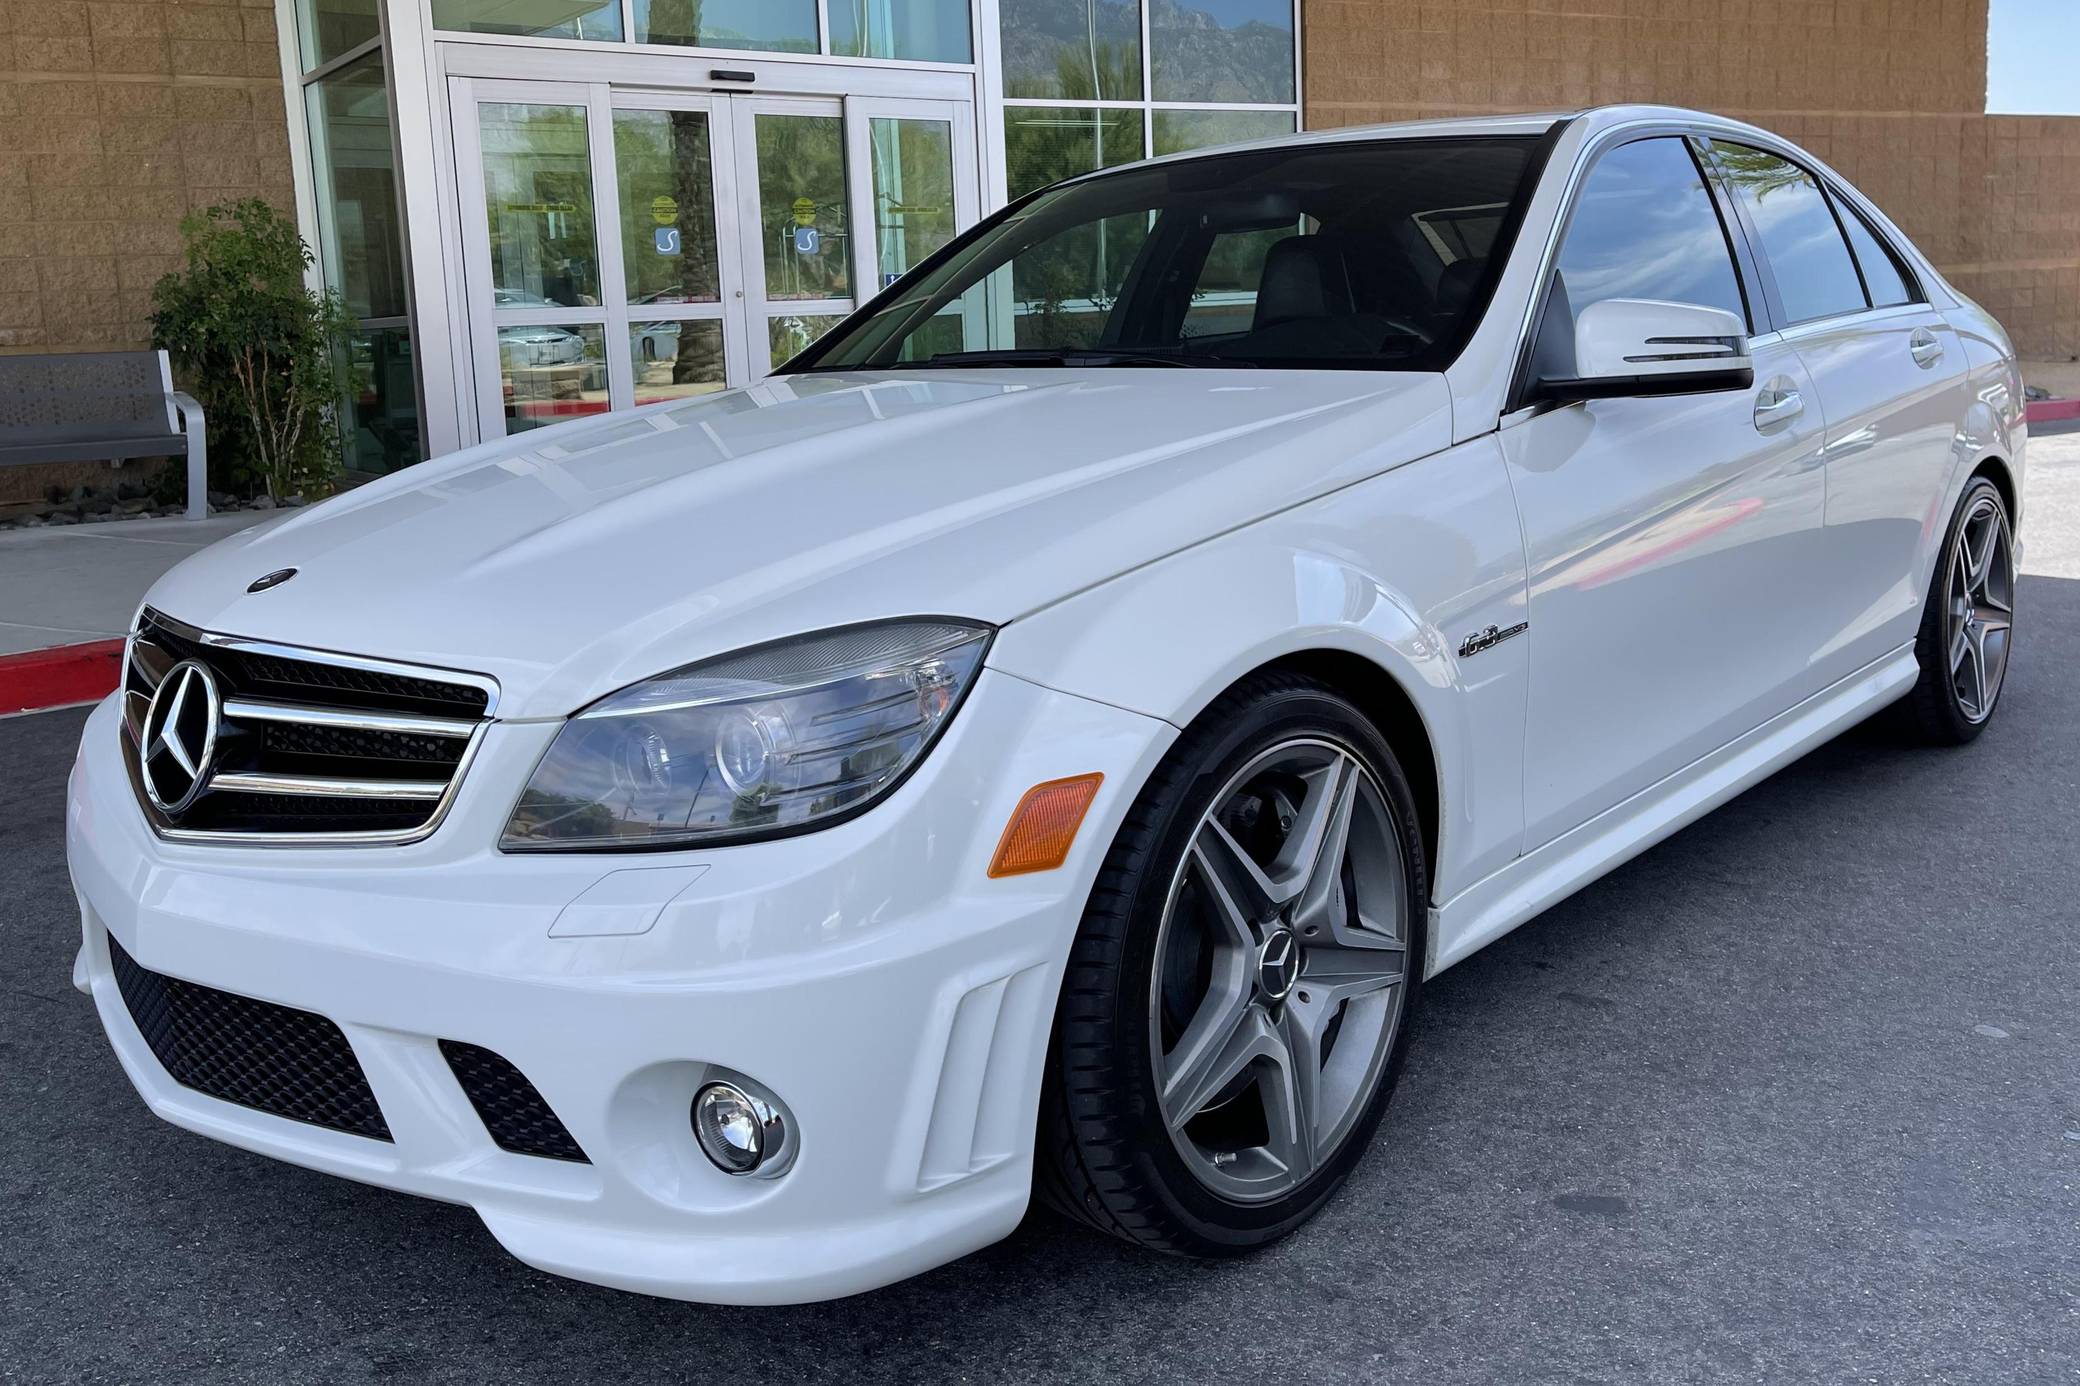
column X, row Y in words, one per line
column 1642, row 346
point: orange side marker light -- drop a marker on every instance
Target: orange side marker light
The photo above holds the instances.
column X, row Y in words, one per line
column 1043, row 826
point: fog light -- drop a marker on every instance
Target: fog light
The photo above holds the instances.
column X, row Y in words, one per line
column 741, row 1132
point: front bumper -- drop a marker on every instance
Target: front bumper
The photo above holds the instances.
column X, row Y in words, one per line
column 896, row 999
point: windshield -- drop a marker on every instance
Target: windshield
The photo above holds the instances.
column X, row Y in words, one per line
column 1364, row 255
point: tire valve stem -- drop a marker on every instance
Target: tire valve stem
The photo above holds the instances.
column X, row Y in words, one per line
column 1223, row 1158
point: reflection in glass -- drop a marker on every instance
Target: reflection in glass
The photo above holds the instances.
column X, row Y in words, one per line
column 551, row 373
column 538, row 199
column 1880, row 271
column 380, row 419
column 1644, row 227
column 1224, row 300
column 926, row 31
column 776, row 26
column 327, row 28
column 1076, row 50
column 1178, row 131
column 1807, row 256
column 360, row 235
column 571, row 19
column 1221, row 50
column 662, row 165
column 789, row 333
column 1045, row 144
column 801, row 206
column 672, row 360
column 913, row 191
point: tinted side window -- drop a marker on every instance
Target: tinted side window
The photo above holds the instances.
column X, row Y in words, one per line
column 1815, row 276
column 1644, row 227
column 1880, row 271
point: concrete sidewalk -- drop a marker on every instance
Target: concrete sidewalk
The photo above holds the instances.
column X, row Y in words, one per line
column 78, row 583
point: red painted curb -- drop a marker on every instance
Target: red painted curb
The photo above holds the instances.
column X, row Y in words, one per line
column 2051, row 410
column 55, row 677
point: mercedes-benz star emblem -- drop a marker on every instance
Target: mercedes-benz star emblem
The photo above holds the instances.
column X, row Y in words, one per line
column 180, row 736
column 1278, row 964
column 273, row 579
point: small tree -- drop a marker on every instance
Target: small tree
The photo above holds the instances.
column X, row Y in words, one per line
column 257, row 346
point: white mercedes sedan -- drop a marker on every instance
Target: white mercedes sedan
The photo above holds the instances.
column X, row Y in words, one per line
column 1042, row 739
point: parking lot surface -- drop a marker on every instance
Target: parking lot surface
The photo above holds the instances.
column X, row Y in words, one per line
column 1793, row 1097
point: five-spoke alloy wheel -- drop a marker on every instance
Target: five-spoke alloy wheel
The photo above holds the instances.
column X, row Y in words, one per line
column 1240, row 992
column 1968, row 627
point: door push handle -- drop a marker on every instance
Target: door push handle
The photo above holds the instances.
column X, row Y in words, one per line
column 1924, row 348
column 1774, row 406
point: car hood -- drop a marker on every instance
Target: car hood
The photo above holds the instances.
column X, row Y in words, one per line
column 573, row 561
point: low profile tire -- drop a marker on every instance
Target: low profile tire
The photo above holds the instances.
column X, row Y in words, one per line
column 1967, row 628
column 1240, row 991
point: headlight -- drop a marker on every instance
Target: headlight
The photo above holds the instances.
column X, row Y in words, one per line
column 767, row 741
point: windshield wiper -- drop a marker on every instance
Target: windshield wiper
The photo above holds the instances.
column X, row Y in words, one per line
column 1062, row 356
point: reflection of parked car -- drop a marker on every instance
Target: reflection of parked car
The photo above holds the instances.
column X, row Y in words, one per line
column 539, row 345
column 754, row 847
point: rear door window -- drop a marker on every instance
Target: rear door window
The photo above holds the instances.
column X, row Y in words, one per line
column 1880, row 271
column 1810, row 261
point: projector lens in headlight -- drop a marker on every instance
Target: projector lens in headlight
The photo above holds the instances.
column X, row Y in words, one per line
column 775, row 739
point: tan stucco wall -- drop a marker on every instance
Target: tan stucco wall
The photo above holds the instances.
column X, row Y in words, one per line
column 116, row 119
column 1891, row 92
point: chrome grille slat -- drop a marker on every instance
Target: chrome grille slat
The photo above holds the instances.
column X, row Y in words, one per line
column 320, row 787
column 363, row 751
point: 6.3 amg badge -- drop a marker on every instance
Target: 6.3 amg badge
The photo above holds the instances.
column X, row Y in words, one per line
column 1488, row 639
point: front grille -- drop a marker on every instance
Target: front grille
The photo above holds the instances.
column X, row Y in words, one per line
column 274, row 1059
column 511, row 1108
column 310, row 746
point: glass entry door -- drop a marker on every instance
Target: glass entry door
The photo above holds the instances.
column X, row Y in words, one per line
column 623, row 247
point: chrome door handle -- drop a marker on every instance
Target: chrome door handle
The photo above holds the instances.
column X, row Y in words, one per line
column 1924, row 348
column 1775, row 406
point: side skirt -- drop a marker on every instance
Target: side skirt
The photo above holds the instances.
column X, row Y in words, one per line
column 1490, row 908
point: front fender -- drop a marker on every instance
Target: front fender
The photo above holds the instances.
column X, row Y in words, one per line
column 1397, row 570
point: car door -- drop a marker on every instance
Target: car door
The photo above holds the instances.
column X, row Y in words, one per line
column 1891, row 378
column 1667, row 537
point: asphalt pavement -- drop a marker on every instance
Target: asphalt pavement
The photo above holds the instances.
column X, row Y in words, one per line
column 1793, row 1097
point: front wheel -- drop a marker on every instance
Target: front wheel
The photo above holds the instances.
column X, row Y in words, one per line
column 1967, row 628
column 1239, row 993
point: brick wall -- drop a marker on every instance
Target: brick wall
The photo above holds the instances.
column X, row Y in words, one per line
column 116, row 119
column 1891, row 92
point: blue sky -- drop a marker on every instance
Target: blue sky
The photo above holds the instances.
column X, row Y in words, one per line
column 2033, row 57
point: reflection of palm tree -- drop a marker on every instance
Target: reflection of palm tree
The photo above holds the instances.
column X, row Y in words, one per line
column 699, row 356
column 1759, row 172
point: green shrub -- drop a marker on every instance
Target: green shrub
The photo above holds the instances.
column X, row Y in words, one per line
column 257, row 348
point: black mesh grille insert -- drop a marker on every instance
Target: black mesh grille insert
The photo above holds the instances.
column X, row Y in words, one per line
column 256, row 674
column 271, row 1058
column 511, row 1108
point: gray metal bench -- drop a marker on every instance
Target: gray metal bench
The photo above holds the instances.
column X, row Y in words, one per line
column 101, row 406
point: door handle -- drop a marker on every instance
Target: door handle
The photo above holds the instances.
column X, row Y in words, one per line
column 1774, row 406
column 1924, row 347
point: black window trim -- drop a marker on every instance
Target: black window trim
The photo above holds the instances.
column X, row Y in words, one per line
column 1522, row 389
column 1844, row 205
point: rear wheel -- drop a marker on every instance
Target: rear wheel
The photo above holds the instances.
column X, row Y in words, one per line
column 1967, row 629
column 1239, row 993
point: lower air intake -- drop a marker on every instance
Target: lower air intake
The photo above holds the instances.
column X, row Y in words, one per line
column 274, row 1059
column 511, row 1108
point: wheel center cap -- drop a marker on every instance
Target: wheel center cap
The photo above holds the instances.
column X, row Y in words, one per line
column 1278, row 964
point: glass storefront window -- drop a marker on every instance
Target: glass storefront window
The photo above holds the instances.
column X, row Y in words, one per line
column 327, row 28
column 360, row 234
column 664, row 168
column 1178, row 131
column 672, row 360
column 1045, row 144
column 913, row 191
column 929, row 31
column 802, row 206
column 380, row 418
column 791, row 333
column 549, row 373
column 1071, row 50
column 571, row 19
column 538, row 194
column 1221, row 50
column 777, row 26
